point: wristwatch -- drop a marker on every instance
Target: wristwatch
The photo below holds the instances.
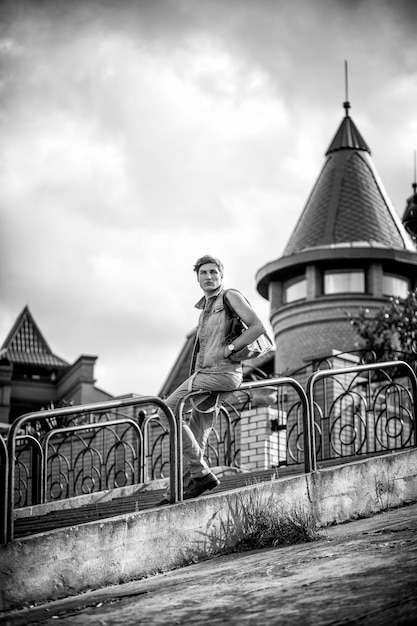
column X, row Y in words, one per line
column 231, row 348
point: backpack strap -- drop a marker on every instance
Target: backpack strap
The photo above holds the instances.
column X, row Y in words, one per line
column 228, row 305
column 229, row 309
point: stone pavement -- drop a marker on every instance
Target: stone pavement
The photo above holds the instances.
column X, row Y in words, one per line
column 361, row 572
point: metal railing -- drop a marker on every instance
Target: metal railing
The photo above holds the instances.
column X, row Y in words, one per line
column 28, row 467
column 363, row 409
column 342, row 412
column 266, row 384
column 4, row 477
column 95, row 466
column 156, row 461
column 94, row 413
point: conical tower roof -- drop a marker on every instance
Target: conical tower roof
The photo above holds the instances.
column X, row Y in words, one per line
column 348, row 204
column 25, row 344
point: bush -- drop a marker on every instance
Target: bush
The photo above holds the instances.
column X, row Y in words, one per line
column 393, row 329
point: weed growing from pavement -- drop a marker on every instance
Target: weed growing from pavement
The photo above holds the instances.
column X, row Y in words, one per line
column 264, row 522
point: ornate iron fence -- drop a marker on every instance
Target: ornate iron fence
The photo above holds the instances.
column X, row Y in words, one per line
column 77, row 459
column 224, row 443
column 93, row 457
column 363, row 410
column 338, row 413
column 92, row 451
column 222, row 446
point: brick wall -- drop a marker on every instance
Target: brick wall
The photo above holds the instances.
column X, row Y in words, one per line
column 310, row 328
column 261, row 446
column 298, row 345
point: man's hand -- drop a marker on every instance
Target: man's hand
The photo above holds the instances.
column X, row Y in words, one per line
column 227, row 352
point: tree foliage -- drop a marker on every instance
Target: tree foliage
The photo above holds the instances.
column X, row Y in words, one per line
column 393, row 329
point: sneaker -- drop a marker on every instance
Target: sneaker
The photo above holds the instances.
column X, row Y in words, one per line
column 201, row 484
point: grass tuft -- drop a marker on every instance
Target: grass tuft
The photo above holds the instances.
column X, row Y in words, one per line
column 265, row 523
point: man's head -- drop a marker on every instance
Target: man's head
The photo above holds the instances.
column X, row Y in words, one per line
column 209, row 272
column 207, row 258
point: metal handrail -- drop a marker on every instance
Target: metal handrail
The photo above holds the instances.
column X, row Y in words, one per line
column 307, row 420
column 175, row 455
column 36, row 473
column 3, row 488
column 306, row 400
column 145, row 430
column 313, row 378
column 81, row 427
column 309, row 456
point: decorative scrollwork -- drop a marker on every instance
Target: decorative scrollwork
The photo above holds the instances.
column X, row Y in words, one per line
column 358, row 410
column 95, row 457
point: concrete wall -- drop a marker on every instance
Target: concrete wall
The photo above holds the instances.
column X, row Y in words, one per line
column 71, row 560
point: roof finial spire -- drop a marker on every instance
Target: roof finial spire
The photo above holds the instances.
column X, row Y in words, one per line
column 346, row 103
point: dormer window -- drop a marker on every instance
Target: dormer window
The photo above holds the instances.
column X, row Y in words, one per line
column 343, row 281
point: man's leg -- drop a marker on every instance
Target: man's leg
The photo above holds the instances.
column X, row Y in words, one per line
column 204, row 412
column 197, row 431
column 196, row 434
column 203, row 417
column 193, row 447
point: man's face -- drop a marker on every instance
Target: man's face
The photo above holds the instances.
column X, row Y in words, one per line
column 209, row 277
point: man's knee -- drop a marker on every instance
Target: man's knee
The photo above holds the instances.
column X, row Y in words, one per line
column 207, row 403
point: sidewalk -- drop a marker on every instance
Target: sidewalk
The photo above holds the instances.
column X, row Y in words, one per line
column 362, row 572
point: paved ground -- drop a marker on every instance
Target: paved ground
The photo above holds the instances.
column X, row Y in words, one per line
column 363, row 572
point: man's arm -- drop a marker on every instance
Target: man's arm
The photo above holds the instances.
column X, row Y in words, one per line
column 243, row 309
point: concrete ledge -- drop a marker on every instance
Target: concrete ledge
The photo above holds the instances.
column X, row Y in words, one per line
column 89, row 498
column 109, row 494
column 72, row 560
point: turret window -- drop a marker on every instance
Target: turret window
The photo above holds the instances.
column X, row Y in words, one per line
column 395, row 286
column 295, row 290
column 343, row 281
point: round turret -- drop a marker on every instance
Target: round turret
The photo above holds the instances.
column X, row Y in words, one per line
column 349, row 250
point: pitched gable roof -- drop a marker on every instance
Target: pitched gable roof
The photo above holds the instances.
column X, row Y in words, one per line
column 348, row 203
column 181, row 368
column 26, row 344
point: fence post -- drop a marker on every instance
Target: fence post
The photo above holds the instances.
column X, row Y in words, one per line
column 4, row 478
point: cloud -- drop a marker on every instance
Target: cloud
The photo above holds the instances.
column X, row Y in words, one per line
column 137, row 136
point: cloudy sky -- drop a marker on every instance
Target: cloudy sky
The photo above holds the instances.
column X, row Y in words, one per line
column 138, row 135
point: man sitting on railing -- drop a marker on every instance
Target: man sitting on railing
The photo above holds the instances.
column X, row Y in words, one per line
column 215, row 367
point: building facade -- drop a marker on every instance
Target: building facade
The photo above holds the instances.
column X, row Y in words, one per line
column 32, row 377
